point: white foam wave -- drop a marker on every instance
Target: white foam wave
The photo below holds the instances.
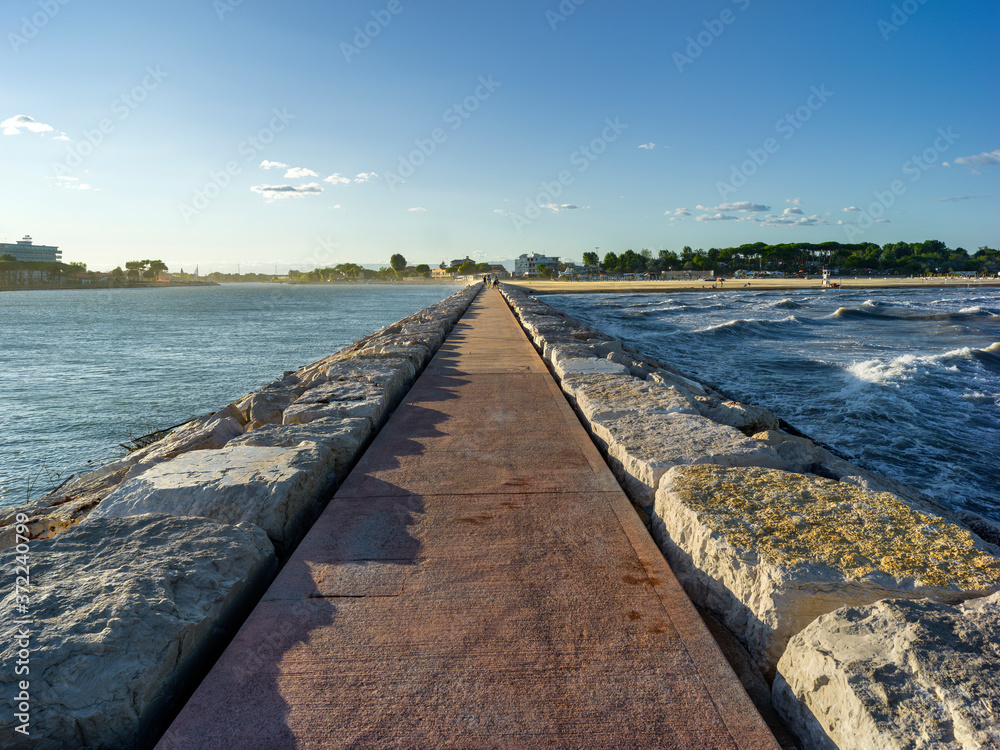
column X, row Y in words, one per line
column 905, row 367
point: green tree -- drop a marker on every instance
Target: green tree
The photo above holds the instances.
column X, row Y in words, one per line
column 468, row 267
column 134, row 269
column 8, row 257
column 423, row 270
column 157, row 267
column 610, row 264
column 590, row 258
column 398, row 263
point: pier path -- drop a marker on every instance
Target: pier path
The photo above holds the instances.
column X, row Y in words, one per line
column 479, row 580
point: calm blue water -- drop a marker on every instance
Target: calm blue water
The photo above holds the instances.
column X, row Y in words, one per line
column 80, row 370
column 905, row 382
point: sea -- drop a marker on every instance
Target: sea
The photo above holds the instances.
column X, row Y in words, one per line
column 905, row 382
column 83, row 371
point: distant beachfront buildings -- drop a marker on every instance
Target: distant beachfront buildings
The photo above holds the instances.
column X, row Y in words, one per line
column 528, row 264
column 24, row 250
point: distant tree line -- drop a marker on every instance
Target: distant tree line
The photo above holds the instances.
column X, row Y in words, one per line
column 929, row 257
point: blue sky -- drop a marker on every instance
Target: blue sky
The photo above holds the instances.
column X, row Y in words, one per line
column 217, row 132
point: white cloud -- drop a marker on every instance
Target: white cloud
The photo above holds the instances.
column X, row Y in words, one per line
column 14, row 125
column 740, row 206
column 365, row 176
column 501, row 212
column 792, row 211
column 276, row 192
column 955, row 198
column 417, row 210
column 677, row 212
column 336, row 179
column 296, row 173
column 72, row 183
column 850, row 209
column 985, row 159
column 795, row 201
column 557, row 207
column 648, row 146
column 273, row 165
column 715, row 217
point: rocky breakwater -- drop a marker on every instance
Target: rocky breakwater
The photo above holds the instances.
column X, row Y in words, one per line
column 867, row 606
column 141, row 571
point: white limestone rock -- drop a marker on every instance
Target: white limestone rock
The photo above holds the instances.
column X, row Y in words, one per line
column 344, row 438
column 895, row 675
column 278, row 489
column 571, row 367
column 767, row 552
column 123, row 611
column 641, row 447
column 747, row 418
column 339, row 398
column 210, row 432
column 607, row 397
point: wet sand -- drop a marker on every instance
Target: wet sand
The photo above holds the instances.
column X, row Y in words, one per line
column 648, row 287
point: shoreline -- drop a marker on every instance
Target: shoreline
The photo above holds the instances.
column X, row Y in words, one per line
column 757, row 285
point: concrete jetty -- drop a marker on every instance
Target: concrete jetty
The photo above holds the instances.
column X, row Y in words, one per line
column 478, row 580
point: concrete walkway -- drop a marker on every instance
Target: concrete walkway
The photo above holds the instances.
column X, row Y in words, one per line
column 480, row 580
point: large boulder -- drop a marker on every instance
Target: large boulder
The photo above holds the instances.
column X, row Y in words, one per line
column 602, row 397
column 344, row 438
column 339, row 398
column 895, row 675
column 642, row 447
column 767, row 552
column 277, row 489
column 124, row 613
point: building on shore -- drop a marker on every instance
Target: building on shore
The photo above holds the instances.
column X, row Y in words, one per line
column 24, row 250
column 527, row 265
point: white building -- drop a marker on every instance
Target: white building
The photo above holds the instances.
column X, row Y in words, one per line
column 528, row 264
column 24, row 250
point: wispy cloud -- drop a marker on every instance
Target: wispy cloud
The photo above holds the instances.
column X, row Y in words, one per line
column 417, row 210
column 715, row 217
column 648, row 146
column 14, row 125
column 985, row 159
column 72, row 183
column 795, row 201
column 955, row 198
column 850, row 209
column 337, row 179
column 296, row 173
column 272, row 165
column 557, row 207
column 677, row 212
column 277, row 192
column 365, row 176
column 739, row 206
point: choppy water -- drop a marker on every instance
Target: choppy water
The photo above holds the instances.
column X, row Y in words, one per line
column 905, row 382
column 81, row 370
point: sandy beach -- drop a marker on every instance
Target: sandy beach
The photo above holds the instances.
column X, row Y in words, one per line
column 647, row 287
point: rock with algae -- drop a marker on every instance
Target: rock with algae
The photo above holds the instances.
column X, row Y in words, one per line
column 769, row 551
